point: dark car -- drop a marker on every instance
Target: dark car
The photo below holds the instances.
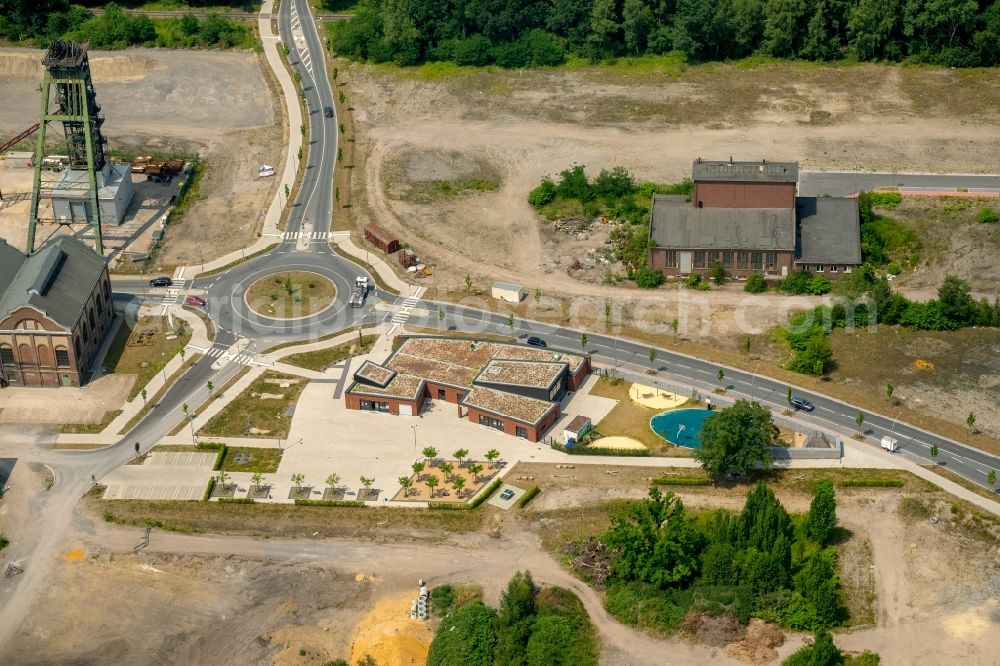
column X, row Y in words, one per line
column 802, row 403
column 194, row 300
column 537, row 342
column 328, row 111
column 161, row 282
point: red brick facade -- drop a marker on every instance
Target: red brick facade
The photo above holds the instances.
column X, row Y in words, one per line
column 713, row 194
column 355, row 402
column 783, row 263
column 532, row 433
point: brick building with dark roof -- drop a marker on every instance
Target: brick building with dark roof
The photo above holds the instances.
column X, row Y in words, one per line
column 55, row 311
column 513, row 388
column 746, row 215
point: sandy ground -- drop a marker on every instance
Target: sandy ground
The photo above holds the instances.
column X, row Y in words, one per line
column 196, row 599
column 220, row 105
column 528, row 124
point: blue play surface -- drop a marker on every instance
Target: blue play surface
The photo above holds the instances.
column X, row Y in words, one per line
column 680, row 426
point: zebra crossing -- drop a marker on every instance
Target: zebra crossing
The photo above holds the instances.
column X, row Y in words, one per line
column 312, row 236
column 403, row 314
column 223, row 354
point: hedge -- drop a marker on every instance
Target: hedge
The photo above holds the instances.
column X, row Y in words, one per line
column 209, row 489
column 215, row 446
column 871, row 483
column 600, row 451
column 482, row 497
column 683, row 481
column 528, row 496
column 309, row 502
column 236, row 500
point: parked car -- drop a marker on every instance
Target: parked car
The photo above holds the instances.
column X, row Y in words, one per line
column 328, row 111
column 161, row 282
column 195, row 300
column 537, row 342
column 802, row 403
column 507, row 494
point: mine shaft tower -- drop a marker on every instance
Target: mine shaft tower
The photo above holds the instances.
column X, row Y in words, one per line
column 67, row 71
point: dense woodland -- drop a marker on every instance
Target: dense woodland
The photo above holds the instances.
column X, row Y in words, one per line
column 38, row 22
column 519, row 33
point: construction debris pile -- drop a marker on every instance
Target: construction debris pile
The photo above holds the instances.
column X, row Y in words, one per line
column 593, row 560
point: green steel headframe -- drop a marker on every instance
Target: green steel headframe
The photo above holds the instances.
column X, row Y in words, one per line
column 67, row 70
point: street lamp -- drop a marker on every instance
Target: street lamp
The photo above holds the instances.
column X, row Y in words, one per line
column 414, row 428
column 753, row 379
column 892, row 429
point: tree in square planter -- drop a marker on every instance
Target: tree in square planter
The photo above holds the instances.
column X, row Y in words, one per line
column 298, row 491
column 258, row 489
column 368, row 494
column 333, row 490
column 222, row 486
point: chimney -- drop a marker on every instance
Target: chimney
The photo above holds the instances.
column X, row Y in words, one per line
column 699, row 160
column 730, row 159
column 763, row 161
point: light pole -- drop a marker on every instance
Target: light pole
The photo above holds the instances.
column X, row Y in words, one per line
column 191, row 423
column 892, row 429
column 753, row 379
column 414, row 428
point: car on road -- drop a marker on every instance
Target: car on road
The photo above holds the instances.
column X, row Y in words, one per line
column 802, row 403
column 328, row 111
column 161, row 282
column 507, row 494
column 537, row 342
column 195, row 300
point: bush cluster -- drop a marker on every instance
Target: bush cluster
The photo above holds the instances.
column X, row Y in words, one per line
column 871, row 483
column 600, row 451
column 528, row 496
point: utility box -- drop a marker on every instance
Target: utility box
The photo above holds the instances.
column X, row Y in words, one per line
column 507, row 292
column 890, row 444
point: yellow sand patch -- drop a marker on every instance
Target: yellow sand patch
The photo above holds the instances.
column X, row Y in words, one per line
column 619, row 443
column 75, row 555
column 655, row 398
column 921, row 364
column 973, row 622
column 389, row 635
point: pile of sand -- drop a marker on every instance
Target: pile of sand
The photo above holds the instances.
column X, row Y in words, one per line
column 389, row 635
column 757, row 645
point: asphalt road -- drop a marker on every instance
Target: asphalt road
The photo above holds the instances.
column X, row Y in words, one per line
column 846, row 183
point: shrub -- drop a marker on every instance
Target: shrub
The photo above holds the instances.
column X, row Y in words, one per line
column 480, row 498
column 804, row 282
column 236, row 500
column 528, row 496
column 545, row 193
column 695, row 281
column 343, row 503
column 755, row 284
column 987, row 215
column 893, row 268
column 647, row 278
column 215, row 446
column 887, row 200
column 467, row 636
column 720, row 275
column 209, row 489
column 871, row 483
column 682, row 481
column 600, row 451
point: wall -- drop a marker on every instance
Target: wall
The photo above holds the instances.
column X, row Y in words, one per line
column 354, row 402
column 743, row 195
column 535, row 432
column 658, row 261
column 575, row 381
column 783, row 453
column 452, row 394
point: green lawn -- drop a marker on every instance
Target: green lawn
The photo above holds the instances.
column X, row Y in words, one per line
column 261, row 460
column 252, row 410
column 141, row 348
column 322, row 359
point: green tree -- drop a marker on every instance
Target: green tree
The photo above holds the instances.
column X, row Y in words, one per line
column 784, row 27
column 257, row 479
column 491, row 456
column 583, row 341
column 816, row 358
column 447, row 468
column 746, row 346
column 517, row 615
column 458, row 483
column 720, row 275
column 467, row 636
column 614, row 184
column 468, row 282
column 605, row 28
column 297, row 480
column 367, row 482
column 860, row 420
column 970, row 421
column 956, row 300
column 755, row 284
column 332, row 480
column 647, row 278
column 418, row 468
column 934, row 453
column 720, row 375
column 460, row 455
column 637, row 23
column 544, row 194
column 210, row 385
column 734, row 440
column 652, row 358
column 475, row 469
column 889, row 390
column 822, row 517
column 406, row 483
column 431, row 482
column 788, row 395
column 430, row 452
column 991, row 478
column 143, row 394
column 822, row 652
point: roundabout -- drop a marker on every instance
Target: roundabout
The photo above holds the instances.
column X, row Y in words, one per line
column 294, row 294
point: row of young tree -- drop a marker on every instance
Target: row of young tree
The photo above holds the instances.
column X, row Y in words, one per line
column 115, row 28
column 761, row 562
column 519, row 33
column 532, row 627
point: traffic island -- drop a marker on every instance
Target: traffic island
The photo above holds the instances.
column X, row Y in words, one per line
column 290, row 295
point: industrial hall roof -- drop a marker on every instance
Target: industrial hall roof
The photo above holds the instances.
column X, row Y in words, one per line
column 676, row 224
column 745, row 172
column 57, row 280
column 829, row 231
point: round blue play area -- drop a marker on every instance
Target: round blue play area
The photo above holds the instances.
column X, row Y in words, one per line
column 680, row 426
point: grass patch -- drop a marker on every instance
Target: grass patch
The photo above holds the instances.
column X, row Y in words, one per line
column 445, row 598
column 871, row 483
column 261, row 460
column 321, row 359
column 982, row 491
column 454, row 188
column 91, row 428
column 141, row 348
column 682, row 481
column 288, row 520
column 630, row 419
column 252, row 415
column 292, row 294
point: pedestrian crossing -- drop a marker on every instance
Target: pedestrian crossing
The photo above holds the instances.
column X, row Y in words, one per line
column 403, row 314
column 312, row 236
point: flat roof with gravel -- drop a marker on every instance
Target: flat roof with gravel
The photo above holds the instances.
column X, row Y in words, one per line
column 501, row 403
column 374, row 373
column 522, row 373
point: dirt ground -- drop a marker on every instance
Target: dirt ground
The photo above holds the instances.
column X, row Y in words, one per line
column 221, row 105
column 523, row 125
column 304, row 601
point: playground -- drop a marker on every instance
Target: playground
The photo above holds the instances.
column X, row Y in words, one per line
column 655, row 398
column 680, row 426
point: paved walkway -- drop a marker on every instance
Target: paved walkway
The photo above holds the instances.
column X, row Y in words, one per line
column 375, row 260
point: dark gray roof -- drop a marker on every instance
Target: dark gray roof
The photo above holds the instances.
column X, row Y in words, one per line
column 745, row 172
column 677, row 224
column 57, row 280
column 829, row 231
